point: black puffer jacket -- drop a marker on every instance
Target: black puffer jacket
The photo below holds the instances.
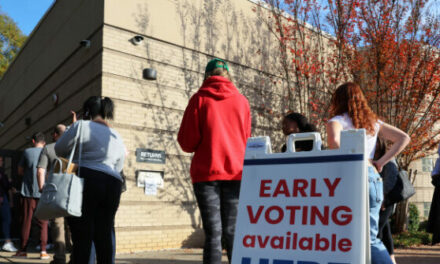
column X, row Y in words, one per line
column 4, row 183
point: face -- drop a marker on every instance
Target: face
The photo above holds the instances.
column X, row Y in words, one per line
column 289, row 127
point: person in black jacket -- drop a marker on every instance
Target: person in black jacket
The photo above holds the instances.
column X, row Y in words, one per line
column 434, row 212
column 389, row 176
column 5, row 210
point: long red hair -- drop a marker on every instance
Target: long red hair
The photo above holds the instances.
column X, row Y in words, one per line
column 349, row 98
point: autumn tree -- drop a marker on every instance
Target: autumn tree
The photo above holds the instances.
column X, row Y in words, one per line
column 11, row 39
column 305, row 53
column 390, row 47
column 397, row 63
column 395, row 57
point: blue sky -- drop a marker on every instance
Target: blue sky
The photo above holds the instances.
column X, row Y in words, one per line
column 26, row 13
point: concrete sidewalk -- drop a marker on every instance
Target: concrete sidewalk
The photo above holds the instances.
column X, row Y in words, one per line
column 418, row 255
column 175, row 256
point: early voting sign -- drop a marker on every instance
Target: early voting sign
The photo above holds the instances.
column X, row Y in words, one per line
column 304, row 207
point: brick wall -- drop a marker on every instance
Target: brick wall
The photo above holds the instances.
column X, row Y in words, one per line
column 148, row 115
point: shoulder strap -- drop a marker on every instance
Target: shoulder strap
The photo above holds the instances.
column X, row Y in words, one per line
column 80, row 146
column 77, row 138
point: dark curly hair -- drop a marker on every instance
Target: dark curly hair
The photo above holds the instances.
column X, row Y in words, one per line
column 302, row 122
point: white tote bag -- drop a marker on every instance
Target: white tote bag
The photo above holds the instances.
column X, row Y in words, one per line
column 63, row 191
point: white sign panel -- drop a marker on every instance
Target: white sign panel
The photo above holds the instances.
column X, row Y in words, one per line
column 305, row 207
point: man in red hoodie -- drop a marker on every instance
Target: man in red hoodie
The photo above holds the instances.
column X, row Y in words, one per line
column 216, row 126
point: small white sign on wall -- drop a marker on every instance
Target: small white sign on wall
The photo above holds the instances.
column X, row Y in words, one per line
column 150, row 180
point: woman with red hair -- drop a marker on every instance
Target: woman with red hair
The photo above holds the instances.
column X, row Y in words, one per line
column 349, row 110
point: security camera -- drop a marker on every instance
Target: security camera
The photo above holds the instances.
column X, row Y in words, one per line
column 136, row 40
column 1, row 125
column 85, row 43
column 55, row 99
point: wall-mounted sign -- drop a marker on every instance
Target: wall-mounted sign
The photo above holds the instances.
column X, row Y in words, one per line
column 150, row 181
column 150, row 156
column 149, row 176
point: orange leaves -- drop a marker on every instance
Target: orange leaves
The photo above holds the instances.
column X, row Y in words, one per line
column 383, row 45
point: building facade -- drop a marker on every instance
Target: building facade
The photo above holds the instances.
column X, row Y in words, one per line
column 83, row 48
column 86, row 47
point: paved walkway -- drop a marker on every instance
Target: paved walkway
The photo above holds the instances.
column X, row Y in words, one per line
column 176, row 256
column 416, row 255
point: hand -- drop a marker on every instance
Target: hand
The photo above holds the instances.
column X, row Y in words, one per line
column 74, row 118
column 378, row 165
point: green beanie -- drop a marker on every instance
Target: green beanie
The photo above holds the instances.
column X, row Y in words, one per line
column 214, row 63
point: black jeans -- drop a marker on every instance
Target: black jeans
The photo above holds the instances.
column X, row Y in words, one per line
column 101, row 196
column 385, row 228
column 218, row 201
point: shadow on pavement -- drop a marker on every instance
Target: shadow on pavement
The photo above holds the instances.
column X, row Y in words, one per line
column 155, row 261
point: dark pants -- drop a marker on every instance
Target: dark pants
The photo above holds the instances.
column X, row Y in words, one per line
column 385, row 228
column 92, row 258
column 101, row 197
column 218, row 201
column 28, row 206
column 5, row 218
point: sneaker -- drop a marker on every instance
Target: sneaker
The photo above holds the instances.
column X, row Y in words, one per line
column 9, row 247
column 20, row 254
column 44, row 255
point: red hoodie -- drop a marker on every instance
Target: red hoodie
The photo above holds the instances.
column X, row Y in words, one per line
column 216, row 126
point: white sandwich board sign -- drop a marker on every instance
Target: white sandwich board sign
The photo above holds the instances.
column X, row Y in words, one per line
column 306, row 207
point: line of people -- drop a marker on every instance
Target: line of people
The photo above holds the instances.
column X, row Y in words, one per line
column 102, row 159
column 215, row 127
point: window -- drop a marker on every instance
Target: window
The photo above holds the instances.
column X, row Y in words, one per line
column 426, row 207
column 427, row 165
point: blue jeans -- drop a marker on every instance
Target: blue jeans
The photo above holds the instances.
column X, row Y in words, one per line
column 5, row 218
column 379, row 254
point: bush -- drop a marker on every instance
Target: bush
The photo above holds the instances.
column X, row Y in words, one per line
column 414, row 238
column 416, row 234
column 413, row 218
column 423, row 225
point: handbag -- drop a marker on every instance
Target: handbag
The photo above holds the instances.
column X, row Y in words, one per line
column 63, row 191
column 402, row 190
column 62, row 165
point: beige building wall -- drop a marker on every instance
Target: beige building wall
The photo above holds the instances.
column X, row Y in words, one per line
column 424, row 189
column 52, row 62
column 180, row 37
